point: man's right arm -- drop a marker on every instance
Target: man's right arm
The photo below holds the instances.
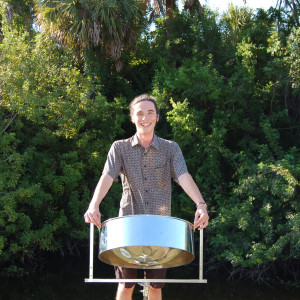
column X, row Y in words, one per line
column 93, row 215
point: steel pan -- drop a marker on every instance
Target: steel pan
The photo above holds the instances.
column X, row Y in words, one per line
column 146, row 242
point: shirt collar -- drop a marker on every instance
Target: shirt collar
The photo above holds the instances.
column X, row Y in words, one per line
column 154, row 143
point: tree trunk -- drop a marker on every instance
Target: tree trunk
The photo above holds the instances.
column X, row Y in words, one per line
column 169, row 14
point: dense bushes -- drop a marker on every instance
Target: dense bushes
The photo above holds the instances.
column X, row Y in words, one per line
column 229, row 95
column 54, row 141
column 241, row 142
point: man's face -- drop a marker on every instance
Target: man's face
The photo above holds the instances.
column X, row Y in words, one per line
column 144, row 117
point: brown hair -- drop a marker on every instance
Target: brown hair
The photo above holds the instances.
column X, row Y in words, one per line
column 143, row 97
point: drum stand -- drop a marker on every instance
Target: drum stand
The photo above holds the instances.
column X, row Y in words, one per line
column 144, row 282
column 145, row 289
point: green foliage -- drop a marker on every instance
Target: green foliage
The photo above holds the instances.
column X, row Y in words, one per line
column 16, row 14
column 111, row 26
column 260, row 222
column 294, row 44
column 55, row 133
column 238, row 128
column 195, row 36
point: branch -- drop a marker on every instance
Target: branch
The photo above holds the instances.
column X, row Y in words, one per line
column 9, row 123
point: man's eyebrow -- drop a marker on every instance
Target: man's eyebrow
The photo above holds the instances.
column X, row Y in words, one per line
column 149, row 110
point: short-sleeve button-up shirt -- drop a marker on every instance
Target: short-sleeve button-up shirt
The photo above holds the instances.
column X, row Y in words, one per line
column 146, row 174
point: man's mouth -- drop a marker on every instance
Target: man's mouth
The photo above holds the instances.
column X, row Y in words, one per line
column 146, row 124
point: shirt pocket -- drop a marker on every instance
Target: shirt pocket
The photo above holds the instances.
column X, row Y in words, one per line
column 161, row 176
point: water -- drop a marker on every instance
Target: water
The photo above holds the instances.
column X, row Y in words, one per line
column 64, row 280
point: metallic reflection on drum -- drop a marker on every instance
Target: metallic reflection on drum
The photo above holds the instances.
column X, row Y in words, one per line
column 146, row 242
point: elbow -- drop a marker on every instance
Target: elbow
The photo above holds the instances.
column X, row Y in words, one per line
column 183, row 178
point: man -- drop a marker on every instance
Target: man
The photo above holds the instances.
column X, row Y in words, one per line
column 146, row 165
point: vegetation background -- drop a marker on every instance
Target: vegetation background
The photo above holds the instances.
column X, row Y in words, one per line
column 229, row 91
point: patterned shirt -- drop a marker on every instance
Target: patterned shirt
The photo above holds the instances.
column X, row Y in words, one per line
column 145, row 173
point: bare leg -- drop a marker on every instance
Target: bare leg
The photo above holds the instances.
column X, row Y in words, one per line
column 124, row 293
column 154, row 294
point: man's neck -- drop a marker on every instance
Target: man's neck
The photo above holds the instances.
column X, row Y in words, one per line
column 145, row 139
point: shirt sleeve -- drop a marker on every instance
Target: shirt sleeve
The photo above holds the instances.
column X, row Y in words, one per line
column 113, row 164
column 178, row 165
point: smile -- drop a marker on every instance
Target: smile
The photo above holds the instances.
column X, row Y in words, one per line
column 145, row 124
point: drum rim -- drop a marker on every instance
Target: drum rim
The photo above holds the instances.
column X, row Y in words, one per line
column 146, row 215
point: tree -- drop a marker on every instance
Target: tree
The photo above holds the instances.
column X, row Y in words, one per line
column 16, row 14
column 293, row 5
column 110, row 26
column 193, row 6
column 294, row 45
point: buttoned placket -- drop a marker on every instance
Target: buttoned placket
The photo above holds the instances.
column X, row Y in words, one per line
column 146, row 166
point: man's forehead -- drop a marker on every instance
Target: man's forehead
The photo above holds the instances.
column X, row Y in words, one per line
column 144, row 106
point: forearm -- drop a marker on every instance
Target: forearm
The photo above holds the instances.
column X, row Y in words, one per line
column 92, row 215
column 189, row 186
column 101, row 190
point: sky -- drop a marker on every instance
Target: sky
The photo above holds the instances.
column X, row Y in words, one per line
column 222, row 5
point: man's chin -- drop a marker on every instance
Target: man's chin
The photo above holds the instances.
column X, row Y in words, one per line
column 146, row 131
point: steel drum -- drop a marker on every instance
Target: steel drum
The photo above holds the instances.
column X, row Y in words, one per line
column 146, row 242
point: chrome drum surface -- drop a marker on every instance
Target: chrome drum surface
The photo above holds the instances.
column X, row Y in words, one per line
column 146, row 242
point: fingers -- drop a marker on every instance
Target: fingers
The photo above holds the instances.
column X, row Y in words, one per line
column 93, row 217
column 201, row 219
column 202, row 226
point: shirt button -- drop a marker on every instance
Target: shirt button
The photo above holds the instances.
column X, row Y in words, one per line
column 146, row 191
column 145, row 178
column 144, row 166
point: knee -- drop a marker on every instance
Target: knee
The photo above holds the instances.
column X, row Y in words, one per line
column 155, row 293
column 123, row 292
column 154, row 289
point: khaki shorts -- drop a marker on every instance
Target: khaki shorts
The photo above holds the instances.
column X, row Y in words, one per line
column 128, row 273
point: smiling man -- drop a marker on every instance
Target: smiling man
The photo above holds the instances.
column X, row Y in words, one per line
column 146, row 164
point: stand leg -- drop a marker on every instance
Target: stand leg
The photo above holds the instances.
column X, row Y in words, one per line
column 91, row 269
column 201, row 255
column 145, row 289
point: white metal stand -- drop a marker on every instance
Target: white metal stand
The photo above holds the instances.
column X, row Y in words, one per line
column 145, row 289
column 113, row 280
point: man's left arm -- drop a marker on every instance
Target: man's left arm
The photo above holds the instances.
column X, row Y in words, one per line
column 189, row 186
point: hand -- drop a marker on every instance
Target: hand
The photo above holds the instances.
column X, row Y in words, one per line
column 93, row 215
column 201, row 217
